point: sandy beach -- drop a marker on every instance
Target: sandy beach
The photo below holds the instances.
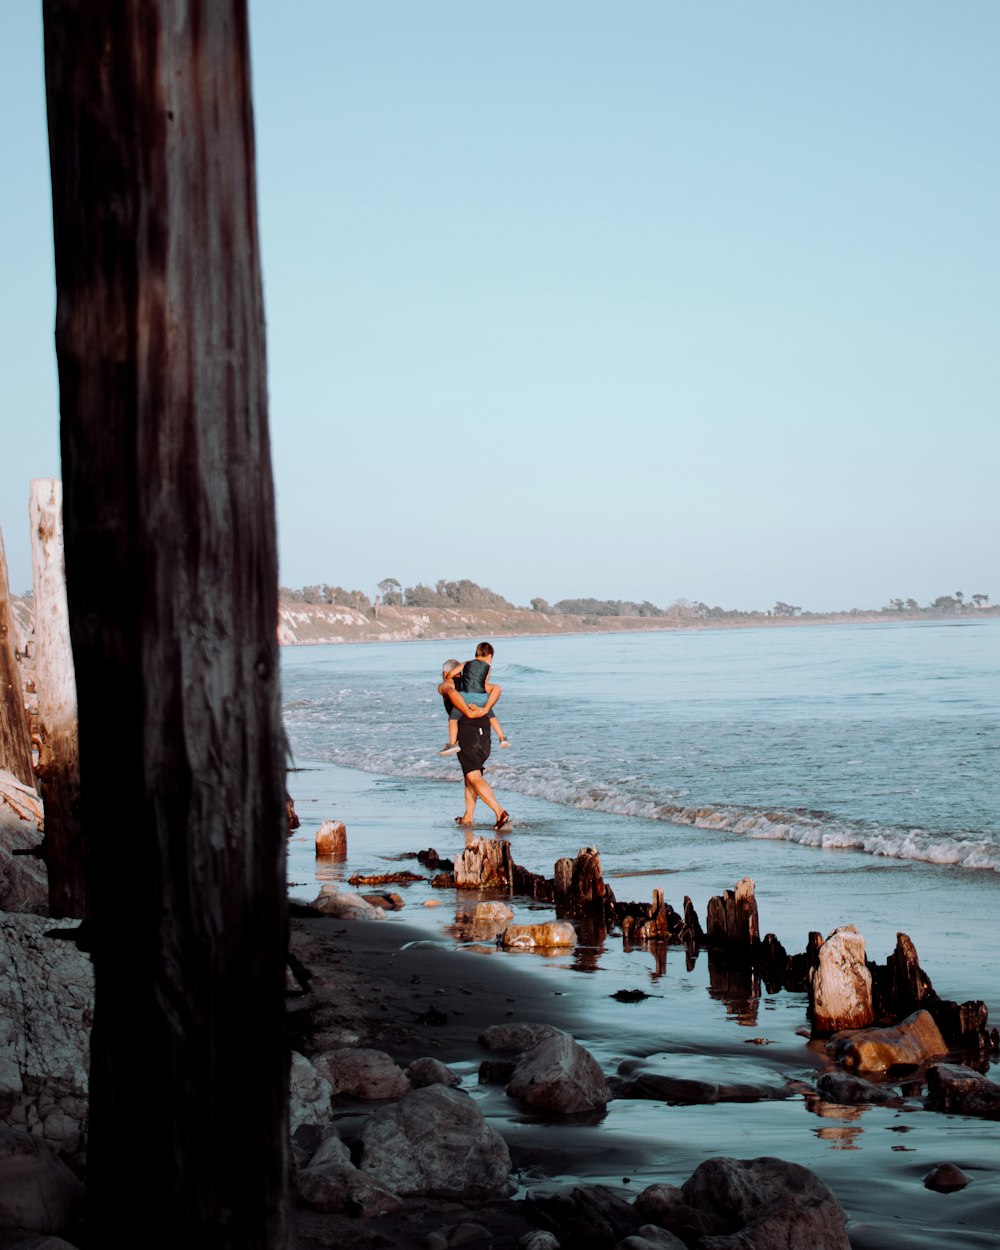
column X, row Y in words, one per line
column 384, row 976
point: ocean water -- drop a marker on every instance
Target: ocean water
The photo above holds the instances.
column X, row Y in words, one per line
column 828, row 762
column 881, row 738
column 850, row 770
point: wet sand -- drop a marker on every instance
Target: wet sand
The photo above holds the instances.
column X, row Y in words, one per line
column 384, row 976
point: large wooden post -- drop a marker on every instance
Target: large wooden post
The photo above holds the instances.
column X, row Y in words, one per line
column 15, row 740
column 59, row 762
column 172, row 580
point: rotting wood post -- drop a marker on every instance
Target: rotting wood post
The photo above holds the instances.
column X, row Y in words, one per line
column 15, row 735
column 172, row 582
column 63, row 847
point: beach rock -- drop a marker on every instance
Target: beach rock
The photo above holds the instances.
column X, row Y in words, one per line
column 46, row 1011
column 435, row 1141
column 906, row 1045
column 336, row 1186
column 496, row 1071
column 309, row 1094
column 343, row 905
column 511, row 1038
column 538, row 1239
column 651, row 1237
column 534, row 936
column 38, row 1192
column 584, row 1217
column 854, row 1091
column 655, row 1200
column 761, row 1204
column 331, row 839
column 464, row 1234
column 961, row 1091
column 331, row 1149
column 388, row 902
column 685, row 1091
column 428, row 1071
column 946, row 1178
column 840, row 986
column 488, row 920
column 369, row 1074
column 557, row 1075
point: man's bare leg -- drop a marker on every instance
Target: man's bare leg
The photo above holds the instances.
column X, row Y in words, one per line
column 484, row 791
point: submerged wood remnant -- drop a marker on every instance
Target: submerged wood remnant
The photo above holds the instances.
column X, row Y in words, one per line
column 331, row 840
column 731, row 917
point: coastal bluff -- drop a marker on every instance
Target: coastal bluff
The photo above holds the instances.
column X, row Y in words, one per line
column 304, row 624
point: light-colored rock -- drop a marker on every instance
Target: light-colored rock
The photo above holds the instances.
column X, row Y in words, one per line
column 905, row 1045
column 764, row 1204
column 309, row 1094
column 428, row 1071
column 331, row 839
column 555, row 933
column 657, row 1199
column 840, row 987
column 343, row 905
column 333, row 1187
column 431, row 902
column 961, row 1091
column 369, row 1074
column 331, row 1149
column 946, row 1178
column 46, row 1011
column 651, row 1237
column 511, row 1038
column 38, row 1192
column 486, row 921
column 557, row 1075
column 538, row 1239
column 435, row 1141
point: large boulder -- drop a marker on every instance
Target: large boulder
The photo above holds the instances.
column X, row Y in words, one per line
column 513, row 1038
column 905, row 1045
column 435, row 1141
column 369, row 1074
column 961, row 1091
column 429, row 1071
column 840, row 986
column 46, row 1012
column 557, row 1075
column 38, row 1192
column 343, row 905
column 755, row 1204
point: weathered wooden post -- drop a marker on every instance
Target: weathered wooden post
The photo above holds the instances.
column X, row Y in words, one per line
column 59, row 765
column 172, row 582
column 15, row 739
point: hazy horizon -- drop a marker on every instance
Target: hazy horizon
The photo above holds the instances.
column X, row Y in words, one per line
column 661, row 300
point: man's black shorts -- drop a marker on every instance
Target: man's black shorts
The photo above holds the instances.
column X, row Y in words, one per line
column 474, row 741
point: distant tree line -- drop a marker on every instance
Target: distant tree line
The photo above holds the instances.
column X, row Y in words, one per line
column 468, row 594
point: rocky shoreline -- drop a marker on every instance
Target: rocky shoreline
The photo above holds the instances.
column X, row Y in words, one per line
column 406, row 1050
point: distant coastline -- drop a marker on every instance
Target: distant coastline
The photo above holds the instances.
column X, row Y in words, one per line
column 309, row 624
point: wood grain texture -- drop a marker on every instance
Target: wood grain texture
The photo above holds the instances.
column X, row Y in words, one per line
column 15, row 738
column 172, row 579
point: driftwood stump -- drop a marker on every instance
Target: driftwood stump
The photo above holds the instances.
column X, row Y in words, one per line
column 731, row 918
column 485, row 864
column 59, row 761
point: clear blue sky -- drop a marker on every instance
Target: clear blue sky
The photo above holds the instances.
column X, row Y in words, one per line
column 651, row 299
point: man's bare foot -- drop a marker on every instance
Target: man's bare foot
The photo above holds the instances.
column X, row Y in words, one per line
column 460, row 820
